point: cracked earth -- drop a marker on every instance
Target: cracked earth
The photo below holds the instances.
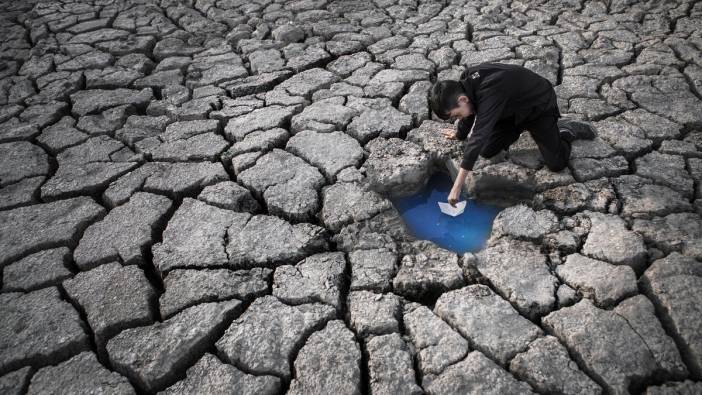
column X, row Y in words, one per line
column 195, row 198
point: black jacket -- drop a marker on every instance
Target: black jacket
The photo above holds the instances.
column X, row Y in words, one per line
column 499, row 92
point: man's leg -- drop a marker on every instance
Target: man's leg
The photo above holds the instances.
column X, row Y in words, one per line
column 504, row 134
column 554, row 148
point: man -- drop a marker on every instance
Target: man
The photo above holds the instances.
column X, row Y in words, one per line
column 494, row 103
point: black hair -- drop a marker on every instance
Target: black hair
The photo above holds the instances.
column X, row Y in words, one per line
column 444, row 97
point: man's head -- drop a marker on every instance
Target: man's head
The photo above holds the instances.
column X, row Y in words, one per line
column 448, row 100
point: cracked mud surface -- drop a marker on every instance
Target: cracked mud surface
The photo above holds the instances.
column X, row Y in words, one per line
column 194, row 198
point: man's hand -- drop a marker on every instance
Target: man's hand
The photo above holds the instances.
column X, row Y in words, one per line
column 450, row 134
column 454, row 195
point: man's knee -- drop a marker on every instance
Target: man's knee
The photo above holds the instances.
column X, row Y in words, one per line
column 489, row 152
column 557, row 166
column 486, row 155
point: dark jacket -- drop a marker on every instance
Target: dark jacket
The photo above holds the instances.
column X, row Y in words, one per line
column 500, row 92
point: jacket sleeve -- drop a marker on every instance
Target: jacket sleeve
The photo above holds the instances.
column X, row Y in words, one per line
column 463, row 127
column 493, row 98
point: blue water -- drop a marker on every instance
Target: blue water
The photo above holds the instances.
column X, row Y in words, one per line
column 465, row 232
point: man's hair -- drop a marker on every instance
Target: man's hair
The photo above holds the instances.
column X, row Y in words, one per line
column 444, row 97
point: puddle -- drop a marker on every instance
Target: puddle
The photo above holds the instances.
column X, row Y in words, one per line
column 466, row 232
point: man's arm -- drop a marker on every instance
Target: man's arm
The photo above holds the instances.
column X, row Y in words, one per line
column 494, row 97
column 493, row 100
column 463, row 127
column 455, row 193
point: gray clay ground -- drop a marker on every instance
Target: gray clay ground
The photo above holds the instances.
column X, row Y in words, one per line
column 194, row 198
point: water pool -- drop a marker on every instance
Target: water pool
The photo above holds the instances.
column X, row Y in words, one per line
column 466, row 232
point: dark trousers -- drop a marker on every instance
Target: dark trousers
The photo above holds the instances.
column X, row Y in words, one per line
column 543, row 129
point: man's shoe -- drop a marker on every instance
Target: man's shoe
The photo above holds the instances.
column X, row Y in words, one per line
column 574, row 130
column 567, row 135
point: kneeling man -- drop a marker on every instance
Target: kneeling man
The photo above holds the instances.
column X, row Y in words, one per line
column 494, row 103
